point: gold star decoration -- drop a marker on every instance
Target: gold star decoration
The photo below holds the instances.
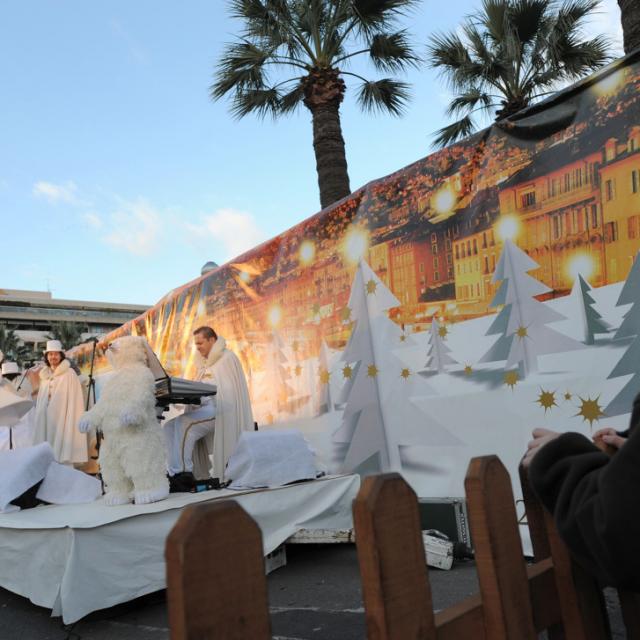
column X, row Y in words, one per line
column 567, row 396
column 546, row 399
column 347, row 371
column 522, row 332
column 443, row 331
column 295, row 346
column 371, row 287
column 511, row 378
column 590, row 410
column 298, row 370
column 468, row 370
column 405, row 373
column 372, row 371
column 345, row 314
column 324, row 376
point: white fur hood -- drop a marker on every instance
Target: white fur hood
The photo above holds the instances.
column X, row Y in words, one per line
column 46, row 373
column 217, row 351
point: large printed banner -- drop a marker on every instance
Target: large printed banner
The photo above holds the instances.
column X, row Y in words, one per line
column 444, row 311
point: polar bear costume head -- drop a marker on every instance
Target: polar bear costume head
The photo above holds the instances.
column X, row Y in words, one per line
column 126, row 351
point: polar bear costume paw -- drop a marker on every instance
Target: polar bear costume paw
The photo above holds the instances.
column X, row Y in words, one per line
column 152, row 495
column 113, row 499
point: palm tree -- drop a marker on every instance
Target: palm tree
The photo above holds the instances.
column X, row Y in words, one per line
column 69, row 333
column 630, row 16
column 11, row 347
column 312, row 42
column 510, row 53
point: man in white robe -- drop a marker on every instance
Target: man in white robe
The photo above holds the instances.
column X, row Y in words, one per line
column 59, row 407
column 215, row 426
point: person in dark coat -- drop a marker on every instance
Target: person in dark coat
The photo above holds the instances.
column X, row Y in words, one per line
column 593, row 497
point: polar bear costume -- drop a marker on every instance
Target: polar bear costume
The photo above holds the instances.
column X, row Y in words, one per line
column 132, row 453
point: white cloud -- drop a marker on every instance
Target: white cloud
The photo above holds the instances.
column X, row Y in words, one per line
column 237, row 231
column 93, row 220
column 55, row 193
column 135, row 227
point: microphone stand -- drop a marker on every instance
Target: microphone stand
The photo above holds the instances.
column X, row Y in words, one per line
column 24, row 375
column 91, row 392
column 92, row 383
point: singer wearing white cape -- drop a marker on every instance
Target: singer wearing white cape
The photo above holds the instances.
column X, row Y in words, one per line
column 59, row 408
column 213, row 428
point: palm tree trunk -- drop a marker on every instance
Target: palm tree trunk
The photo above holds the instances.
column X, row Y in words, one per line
column 323, row 92
column 630, row 16
column 331, row 159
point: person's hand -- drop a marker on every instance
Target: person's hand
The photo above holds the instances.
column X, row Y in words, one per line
column 540, row 438
column 610, row 437
column 85, row 424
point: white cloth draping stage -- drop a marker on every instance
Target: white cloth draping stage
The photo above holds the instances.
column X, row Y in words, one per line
column 79, row 558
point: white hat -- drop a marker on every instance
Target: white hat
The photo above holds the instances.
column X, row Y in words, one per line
column 10, row 367
column 54, row 345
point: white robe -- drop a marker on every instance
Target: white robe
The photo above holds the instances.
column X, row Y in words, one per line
column 233, row 408
column 58, row 410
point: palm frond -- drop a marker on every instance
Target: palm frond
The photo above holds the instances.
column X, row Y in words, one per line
column 241, row 66
column 384, row 95
column 527, row 17
column 370, row 16
column 290, row 101
column 262, row 102
column 454, row 132
column 447, row 50
column 392, row 52
column 475, row 98
column 583, row 57
column 573, row 12
column 492, row 19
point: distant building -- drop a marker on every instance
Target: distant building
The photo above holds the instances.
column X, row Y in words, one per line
column 557, row 200
column 32, row 314
column 620, row 188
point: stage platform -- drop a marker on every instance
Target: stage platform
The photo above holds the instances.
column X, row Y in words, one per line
column 76, row 559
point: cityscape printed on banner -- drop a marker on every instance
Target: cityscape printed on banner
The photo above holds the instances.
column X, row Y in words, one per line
column 454, row 239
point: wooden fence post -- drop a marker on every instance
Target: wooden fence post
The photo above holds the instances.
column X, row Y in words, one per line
column 216, row 584
column 581, row 601
column 502, row 574
column 395, row 585
column 539, row 539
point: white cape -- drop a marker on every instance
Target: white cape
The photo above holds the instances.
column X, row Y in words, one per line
column 233, row 413
column 57, row 418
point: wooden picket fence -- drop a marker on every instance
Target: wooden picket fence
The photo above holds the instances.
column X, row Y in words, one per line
column 216, row 586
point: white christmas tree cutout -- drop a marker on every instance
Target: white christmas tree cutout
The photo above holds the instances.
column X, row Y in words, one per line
column 521, row 324
column 325, row 396
column 379, row 417
column 630, row 361
column 591, row 321
column 438, row 355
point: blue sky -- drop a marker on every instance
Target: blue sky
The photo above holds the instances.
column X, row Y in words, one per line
column 119, row 177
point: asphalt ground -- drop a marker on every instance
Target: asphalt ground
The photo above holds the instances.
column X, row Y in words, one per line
column 316, row 596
